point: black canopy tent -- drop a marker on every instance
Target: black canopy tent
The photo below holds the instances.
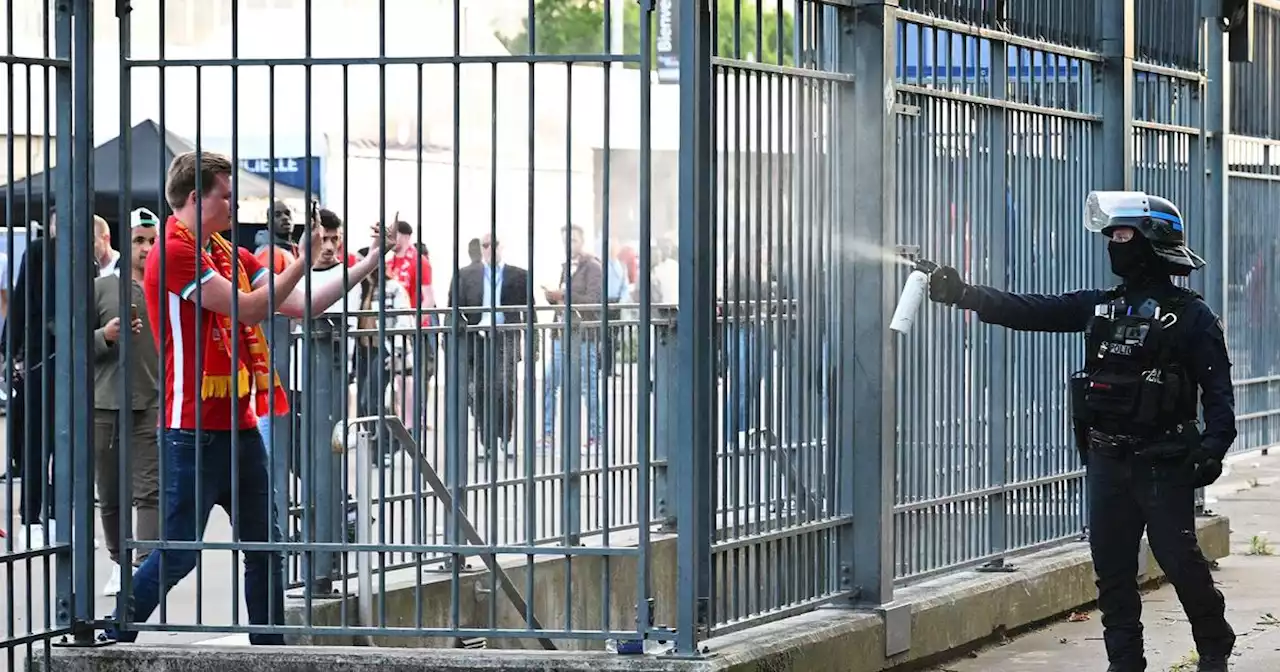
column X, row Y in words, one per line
column 150, row 153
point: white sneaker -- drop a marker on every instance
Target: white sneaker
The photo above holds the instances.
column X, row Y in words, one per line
column 113, row 584
column 30, row 539
column 49, row 534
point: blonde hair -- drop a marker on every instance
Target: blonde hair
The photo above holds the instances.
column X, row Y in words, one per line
column 100, row 227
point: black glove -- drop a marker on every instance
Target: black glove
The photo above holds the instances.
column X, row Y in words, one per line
column 1205, row 466
column 946, row 286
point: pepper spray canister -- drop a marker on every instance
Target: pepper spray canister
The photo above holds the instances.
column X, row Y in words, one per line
column 913, row 293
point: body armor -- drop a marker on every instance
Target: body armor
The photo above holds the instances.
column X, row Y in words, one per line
column 1132, row 383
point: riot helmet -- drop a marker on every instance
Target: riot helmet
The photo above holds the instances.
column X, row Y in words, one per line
column 1156, row 219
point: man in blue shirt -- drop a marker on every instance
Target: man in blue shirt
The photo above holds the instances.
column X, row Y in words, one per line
column 496, row 294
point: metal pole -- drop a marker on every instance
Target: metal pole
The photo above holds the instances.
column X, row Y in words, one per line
column 867, row 384
column 281, row 437
column 1113, row 154
column 1214, row 140
column 325, row 497
column 364, row 525
column 72, row 377
column 695, row 330
column 666, row 372
column 1001, row 204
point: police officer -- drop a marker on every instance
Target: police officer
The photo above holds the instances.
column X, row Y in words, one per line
column 1150, row 344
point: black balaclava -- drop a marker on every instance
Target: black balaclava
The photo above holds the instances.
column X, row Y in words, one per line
column 1136, row 262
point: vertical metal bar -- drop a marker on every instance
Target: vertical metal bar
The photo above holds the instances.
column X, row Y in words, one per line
column 1216, row 222
column 869, row 42
column 128, row 298
column 234, row 513
column 73, row 160
column 531, row 340
column 1217, row 110
column 1113, row 154
column 998, row 409
column 162, row 370
column 646, row 407
column 695, row 331
column 11, row 441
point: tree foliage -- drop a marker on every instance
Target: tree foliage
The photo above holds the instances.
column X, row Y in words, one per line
column 566, row 27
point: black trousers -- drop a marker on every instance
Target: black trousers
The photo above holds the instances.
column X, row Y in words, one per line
column 493, row 363
column 1127, row 493
column 32, row 429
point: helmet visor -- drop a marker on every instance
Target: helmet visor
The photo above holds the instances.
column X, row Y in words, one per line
column 1103, row 208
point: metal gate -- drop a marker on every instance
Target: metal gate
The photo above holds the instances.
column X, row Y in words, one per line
column 46, row 556
column 413, row 115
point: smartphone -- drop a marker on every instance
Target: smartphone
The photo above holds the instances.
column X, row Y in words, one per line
column 389, row 230
column 133, row 312
column 315, row 209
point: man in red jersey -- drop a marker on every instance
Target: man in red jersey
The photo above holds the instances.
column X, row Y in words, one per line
column 217, row 380
column 412, row 269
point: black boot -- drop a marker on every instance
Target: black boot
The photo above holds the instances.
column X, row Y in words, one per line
column 1212, row 663
column 1139, row 665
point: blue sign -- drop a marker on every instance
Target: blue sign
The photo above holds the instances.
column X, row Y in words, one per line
column 291, row 171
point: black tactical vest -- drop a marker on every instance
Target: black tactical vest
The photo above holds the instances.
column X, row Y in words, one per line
column 1132, row 382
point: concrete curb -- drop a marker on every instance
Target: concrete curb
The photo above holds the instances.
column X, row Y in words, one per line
column 947, row 616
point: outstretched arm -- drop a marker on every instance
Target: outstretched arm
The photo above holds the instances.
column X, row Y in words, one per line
column 324, row 295
column 1024, row 312
column 1068, row 312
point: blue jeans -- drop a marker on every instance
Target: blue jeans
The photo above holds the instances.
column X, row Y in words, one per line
column 589, row 378
column 748, row 358
column 185, row 520
column 278, row 454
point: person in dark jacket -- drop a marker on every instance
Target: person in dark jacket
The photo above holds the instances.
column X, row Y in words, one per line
column 1152, row 349
column 30, row 328
column 493, row 354
column 579, row 297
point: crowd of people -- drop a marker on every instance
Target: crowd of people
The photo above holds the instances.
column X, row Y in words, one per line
column 212, row 346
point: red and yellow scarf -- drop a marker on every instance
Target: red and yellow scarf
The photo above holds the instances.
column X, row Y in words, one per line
column 217, row 349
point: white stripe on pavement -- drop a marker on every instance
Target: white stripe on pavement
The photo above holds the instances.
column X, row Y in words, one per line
column 241, row 639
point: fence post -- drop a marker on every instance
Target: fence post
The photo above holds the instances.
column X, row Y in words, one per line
column 280, row 436
column 1217, row 209
column 866, row 379
column 574, row 393
column 72, row 375
column 1217, row 220
column 1000, row 207
column 1113, row 156
column 323, row 495
column 665, row 373
column 456, row 432
column 695, row 328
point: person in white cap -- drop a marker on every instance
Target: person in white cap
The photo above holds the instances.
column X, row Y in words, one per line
column 143, row 400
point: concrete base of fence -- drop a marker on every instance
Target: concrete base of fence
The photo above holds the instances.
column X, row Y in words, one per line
column 947, row 616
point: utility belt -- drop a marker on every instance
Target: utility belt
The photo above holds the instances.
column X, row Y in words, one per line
column 1138, row 415
column 1174, row 443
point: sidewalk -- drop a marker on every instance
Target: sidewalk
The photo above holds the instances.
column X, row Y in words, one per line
column 1248, row 494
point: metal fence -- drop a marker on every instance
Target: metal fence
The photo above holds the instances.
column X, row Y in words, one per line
column 739, row 411
column 1251, row 164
